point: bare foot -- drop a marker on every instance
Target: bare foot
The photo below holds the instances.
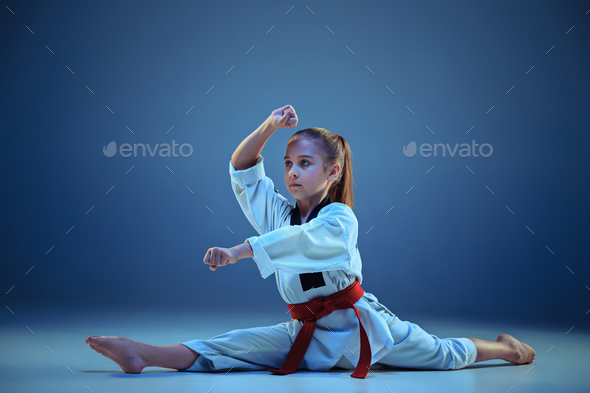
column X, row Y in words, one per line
column 521, row 354
column 124, row 352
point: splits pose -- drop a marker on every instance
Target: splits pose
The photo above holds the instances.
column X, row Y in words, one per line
column 312, row 250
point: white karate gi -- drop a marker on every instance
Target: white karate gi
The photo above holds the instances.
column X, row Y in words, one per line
column 326, row 244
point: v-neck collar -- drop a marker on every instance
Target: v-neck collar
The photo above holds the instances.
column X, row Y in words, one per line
column 296, row 215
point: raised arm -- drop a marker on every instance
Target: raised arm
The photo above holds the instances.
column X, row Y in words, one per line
column 247, row 152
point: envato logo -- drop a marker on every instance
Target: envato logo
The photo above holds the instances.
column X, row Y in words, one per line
column 466, row 150
column 126, row 149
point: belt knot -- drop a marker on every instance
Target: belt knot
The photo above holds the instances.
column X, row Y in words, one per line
column 328, row 304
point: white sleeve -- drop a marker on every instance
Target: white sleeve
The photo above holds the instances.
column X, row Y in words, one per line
column 323, row 244
column 264, row 207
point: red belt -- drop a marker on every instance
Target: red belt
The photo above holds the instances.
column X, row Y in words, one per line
column 315, row 309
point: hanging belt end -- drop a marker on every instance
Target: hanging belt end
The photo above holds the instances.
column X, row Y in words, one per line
column 279, row 372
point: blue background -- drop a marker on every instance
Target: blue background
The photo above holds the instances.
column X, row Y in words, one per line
column 449, row 247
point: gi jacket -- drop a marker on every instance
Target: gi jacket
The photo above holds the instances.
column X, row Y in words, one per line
column 317, row 258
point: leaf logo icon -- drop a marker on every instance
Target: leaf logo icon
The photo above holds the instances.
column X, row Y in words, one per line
column 110, row 150
column 409, row 151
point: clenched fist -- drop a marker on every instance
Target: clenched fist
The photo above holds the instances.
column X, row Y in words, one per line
column 219, row 256
column 284, row 117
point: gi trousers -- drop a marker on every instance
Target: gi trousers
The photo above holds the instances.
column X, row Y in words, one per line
column 261, row 348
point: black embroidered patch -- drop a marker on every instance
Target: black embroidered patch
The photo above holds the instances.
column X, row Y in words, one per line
column 311, row 280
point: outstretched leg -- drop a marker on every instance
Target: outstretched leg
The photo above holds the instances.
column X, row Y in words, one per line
column 133, row 356
column 506, row 348
column 415, row 348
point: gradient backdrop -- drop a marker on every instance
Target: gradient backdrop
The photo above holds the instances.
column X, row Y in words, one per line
column 502, row 238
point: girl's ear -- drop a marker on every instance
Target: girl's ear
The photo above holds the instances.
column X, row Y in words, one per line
column 334, row 171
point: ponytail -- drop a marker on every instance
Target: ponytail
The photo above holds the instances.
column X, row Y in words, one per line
column 342, row 190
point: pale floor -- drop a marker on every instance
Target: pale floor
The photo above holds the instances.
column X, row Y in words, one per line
column 41, row 362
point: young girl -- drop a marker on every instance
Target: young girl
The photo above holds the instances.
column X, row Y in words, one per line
column 312, row 250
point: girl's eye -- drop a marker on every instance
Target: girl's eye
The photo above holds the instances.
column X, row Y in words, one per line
column 288, row 162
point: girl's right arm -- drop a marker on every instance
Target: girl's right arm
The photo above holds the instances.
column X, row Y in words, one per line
column 247, row 152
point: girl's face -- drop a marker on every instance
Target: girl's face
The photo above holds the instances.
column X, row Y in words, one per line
column 305, row 167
